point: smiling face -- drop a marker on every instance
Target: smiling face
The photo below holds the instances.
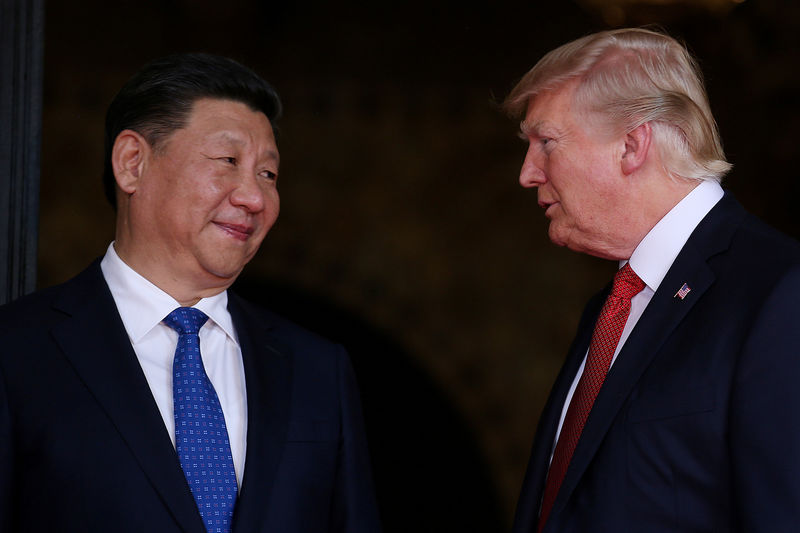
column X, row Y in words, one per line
column 194, row 211
column 579, row 176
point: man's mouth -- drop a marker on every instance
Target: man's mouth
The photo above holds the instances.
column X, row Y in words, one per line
column 238, row 231
column 546, row 206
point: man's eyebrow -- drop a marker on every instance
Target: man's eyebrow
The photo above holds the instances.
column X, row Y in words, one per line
column 272, row 154
column 527, row 127
column 238, row 141
column 227, row 136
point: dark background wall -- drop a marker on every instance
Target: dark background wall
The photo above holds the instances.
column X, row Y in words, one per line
column 403, row 231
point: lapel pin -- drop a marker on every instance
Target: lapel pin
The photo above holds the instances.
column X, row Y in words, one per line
column 682, row 292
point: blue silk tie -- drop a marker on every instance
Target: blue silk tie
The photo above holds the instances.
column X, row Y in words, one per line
column 201, row 438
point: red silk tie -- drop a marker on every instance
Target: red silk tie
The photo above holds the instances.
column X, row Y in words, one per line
column 605, row 338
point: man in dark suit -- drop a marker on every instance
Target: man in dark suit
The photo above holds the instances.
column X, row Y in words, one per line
column 676, row 408
column 110, row 420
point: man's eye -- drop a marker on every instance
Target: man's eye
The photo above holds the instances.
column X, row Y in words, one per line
column 230, row 160
column 268, row 174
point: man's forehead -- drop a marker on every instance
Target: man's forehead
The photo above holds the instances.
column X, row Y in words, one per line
column 539, row 114
column 230, row 122
column 215, row 109
column 549, row 107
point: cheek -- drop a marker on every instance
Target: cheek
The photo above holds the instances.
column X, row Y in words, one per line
column 272, row 206
column 272, row 201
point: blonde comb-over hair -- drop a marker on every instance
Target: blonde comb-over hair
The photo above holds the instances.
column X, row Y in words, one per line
column 630, row 77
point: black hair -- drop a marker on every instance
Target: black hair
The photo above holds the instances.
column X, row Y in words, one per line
column 159, row 98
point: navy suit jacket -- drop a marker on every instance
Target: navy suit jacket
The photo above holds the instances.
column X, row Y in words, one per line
column 83, row 446
column 697, row 426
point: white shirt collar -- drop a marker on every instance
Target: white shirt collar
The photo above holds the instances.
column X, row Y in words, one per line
column 142, row 305
column 653, row 257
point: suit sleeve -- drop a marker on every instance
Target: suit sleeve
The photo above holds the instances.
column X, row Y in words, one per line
column 354, row 506
column 765, row 417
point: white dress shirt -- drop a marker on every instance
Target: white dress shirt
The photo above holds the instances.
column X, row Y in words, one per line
column 142, row 306
column 653, row 257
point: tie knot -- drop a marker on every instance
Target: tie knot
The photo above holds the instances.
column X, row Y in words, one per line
column 626, row 283
column 186, row 320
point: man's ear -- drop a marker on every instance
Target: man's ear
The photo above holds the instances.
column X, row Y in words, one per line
column 637, row 145
column 127, row 159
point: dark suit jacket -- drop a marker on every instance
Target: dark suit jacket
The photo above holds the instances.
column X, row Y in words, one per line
column 83, row 446
column 697, row 426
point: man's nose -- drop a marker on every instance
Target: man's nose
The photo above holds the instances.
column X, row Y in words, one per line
column 531, row 173
column 248, row 192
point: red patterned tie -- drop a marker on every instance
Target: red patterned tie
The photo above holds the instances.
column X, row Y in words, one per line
column 606, row 335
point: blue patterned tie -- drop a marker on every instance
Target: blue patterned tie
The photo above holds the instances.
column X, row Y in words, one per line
column 201, row 438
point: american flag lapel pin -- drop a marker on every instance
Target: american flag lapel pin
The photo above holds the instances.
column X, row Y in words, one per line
column 682, row 292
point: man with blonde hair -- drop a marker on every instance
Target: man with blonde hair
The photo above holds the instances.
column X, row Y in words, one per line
column 674, row 408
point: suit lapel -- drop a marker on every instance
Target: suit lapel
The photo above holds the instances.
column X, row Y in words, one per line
column 539, row 464
column 95, row 342
column 268, row 376
column 662, row 316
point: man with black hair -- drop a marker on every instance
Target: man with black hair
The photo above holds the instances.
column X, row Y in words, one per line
column 142, row 395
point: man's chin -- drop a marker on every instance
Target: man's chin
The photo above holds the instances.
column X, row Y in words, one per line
column 555, row 236
column 223, row 271
column 567, row 240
